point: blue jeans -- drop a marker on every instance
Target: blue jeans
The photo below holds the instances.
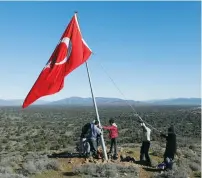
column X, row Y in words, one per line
column 93, row 146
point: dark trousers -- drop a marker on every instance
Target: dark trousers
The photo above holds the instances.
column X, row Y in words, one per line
column 113, row 144
column 145, row 151
column 169, row 154
column 98, row 141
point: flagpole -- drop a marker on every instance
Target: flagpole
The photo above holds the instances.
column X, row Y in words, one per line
column 95, row 105
column 96, row 110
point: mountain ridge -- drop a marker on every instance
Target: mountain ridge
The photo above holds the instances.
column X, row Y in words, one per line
column 79, row 101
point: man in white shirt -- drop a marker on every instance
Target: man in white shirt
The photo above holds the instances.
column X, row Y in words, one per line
column 145, row 144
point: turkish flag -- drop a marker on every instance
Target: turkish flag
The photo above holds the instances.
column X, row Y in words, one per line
column 70, row 53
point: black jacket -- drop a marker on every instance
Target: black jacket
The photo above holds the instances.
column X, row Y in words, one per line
column 85, row 130
column 171, row 145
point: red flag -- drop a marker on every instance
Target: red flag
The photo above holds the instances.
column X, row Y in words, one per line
column 70, row 53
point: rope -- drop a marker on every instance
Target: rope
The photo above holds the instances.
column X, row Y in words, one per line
column 125, row 100
column 135, row 114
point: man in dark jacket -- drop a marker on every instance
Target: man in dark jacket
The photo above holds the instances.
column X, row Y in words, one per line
column 84, row 147
column 171, row 147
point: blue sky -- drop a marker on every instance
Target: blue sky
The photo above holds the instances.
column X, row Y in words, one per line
column 150, row 49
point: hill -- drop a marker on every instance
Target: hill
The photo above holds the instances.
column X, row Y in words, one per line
column 42, row 142
column 177, row 101
column 88, row 101
column 104, row 101
column 18, row 102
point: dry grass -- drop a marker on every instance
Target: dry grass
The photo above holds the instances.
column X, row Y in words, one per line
column 107, row 170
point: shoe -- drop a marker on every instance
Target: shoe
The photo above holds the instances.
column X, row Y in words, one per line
column 99, row 157
column 87, row 155
column 149, row 164
column 115, row 157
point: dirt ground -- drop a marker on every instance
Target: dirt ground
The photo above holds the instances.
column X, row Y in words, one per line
column 67, row 165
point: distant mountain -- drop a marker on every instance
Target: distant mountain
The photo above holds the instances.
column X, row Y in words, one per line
column 104, row 101
column 19, row 102
column 177, row 101
column 119, row 102
column 74, row 101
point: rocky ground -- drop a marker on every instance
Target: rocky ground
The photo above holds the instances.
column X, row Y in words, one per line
column 80, row 167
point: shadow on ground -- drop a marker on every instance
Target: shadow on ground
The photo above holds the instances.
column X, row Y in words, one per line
column 152, row 169
column 131, row 159
column 65, row 155
column 69, row 174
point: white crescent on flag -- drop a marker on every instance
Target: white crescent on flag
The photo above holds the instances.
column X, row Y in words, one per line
column 68, row 43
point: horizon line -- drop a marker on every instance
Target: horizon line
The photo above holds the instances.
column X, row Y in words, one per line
column 155, row 99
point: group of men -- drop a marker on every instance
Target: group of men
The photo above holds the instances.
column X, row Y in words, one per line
column 90, row 139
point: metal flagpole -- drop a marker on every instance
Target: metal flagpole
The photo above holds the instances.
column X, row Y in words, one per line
column 96, row 110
